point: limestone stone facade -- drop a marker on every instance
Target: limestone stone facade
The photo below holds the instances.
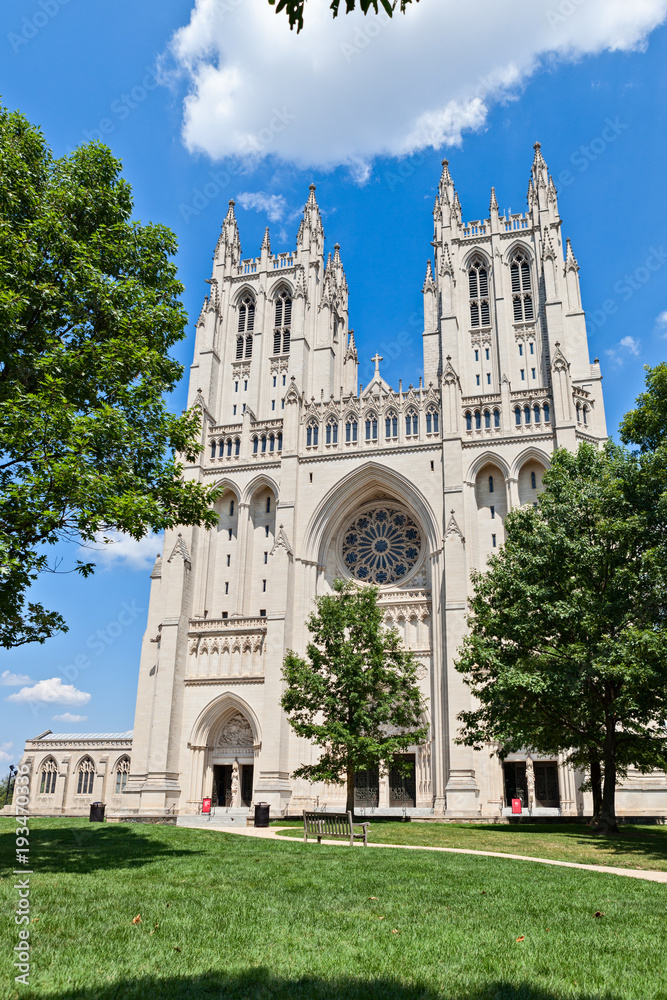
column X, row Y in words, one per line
column 405, row 487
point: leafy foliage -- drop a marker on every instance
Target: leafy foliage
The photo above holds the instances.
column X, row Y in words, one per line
column 89, row 308
column 294, row 8
column 567, row 649
column 356, row 696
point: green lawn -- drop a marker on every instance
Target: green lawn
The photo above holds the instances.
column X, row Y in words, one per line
column 228, row 916
column 634, row 847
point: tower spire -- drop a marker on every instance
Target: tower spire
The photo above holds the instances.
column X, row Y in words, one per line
column 311, row 231
column 266, row 242
column 228, row 250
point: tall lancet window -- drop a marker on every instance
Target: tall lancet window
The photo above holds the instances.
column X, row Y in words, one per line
column 246, row 327
column 478, row 289
column 283, row 323
column 522, row 296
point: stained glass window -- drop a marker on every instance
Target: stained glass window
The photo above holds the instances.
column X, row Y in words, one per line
column 381, row 545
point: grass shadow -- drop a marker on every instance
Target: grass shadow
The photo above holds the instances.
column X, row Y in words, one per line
column 642, row 841
column 83, row 849
column 260, row 984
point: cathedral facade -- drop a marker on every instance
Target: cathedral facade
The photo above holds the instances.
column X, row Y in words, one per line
column 325, row 478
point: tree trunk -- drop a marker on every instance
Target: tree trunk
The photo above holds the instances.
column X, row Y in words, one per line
column 608, row 822
column 595, row 772
column 349, row 806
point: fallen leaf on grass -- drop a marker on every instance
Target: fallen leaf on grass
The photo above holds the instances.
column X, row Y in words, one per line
column 522, row 938
column 395, row 931
column 380, row 918
column 137, row 919
column 154, row 929
column 168, row 904
column 372, row 897
column 598, row 913
column 176, row 949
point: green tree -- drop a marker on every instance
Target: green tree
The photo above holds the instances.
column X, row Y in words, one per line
column 294, row 8
column 356, row 695
column 567, row 649
column 89, row 308
column 646, row 425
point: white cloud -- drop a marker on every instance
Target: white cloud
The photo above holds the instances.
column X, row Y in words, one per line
column 8, row 679
column 51, row 691
column 114, row 548
column 273, row 205
column 661, row 323
column 630, row 345
column 348, row 90
column 68, row 717
column 626, row 347
column 4, row 747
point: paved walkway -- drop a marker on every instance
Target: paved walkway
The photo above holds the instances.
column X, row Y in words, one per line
column 272, row 833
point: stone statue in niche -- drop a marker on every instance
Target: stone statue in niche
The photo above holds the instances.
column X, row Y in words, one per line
column 236, row 732
column 235, row 783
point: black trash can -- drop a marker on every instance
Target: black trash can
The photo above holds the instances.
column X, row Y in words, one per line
column 262, row 814
column 97, row 812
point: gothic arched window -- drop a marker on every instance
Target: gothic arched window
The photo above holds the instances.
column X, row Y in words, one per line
column 490, row 484
column 411, row 423
column 237, row 446
column 526, row 414
column 122, row 771
column 229, row 447
column 536, row 413
column 280, row 440
column 478, row 420
column 468, row 421
column 247, row 315
column 332, row 431
column 371, row 428
column 432, row 422
column 517, row 415
column 496, row 418
column 263, row 443
column 248, row 346
column 478, row 288
column 283, row 322
column 255, row 445
column 547, row 413
column 86, row 777
column 312, row 435
column 487, row 419
column 49, row 773
column 351, row 429
column 533, row 481
column 239, row 347
column 268, row 505
column 231, row 508
column 212, row 449
column 391, row 425
column 585, row 414
column 522, row 299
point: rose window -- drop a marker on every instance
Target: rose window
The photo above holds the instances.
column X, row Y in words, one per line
column 381, row 545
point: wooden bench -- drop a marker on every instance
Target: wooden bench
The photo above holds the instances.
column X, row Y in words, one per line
column 333, row 825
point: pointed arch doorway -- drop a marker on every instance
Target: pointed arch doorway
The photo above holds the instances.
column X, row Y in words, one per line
column 232, row 759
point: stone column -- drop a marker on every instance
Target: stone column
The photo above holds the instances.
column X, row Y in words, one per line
column 243, row 522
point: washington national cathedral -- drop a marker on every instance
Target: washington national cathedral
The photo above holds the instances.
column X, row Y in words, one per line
column 406, row 488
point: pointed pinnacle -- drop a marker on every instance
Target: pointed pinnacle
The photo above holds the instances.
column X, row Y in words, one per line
column 493, row 207
column 266, row 242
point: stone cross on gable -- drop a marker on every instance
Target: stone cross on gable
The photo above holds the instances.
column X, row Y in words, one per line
column 377, row 359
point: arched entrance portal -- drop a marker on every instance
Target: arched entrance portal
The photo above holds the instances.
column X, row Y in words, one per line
column 232, row 758
column 224, row 743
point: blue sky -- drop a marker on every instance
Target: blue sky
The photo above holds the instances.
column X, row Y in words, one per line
column 367, row 113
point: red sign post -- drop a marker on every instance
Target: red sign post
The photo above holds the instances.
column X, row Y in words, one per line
column 206, row 806
column 516, row 807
